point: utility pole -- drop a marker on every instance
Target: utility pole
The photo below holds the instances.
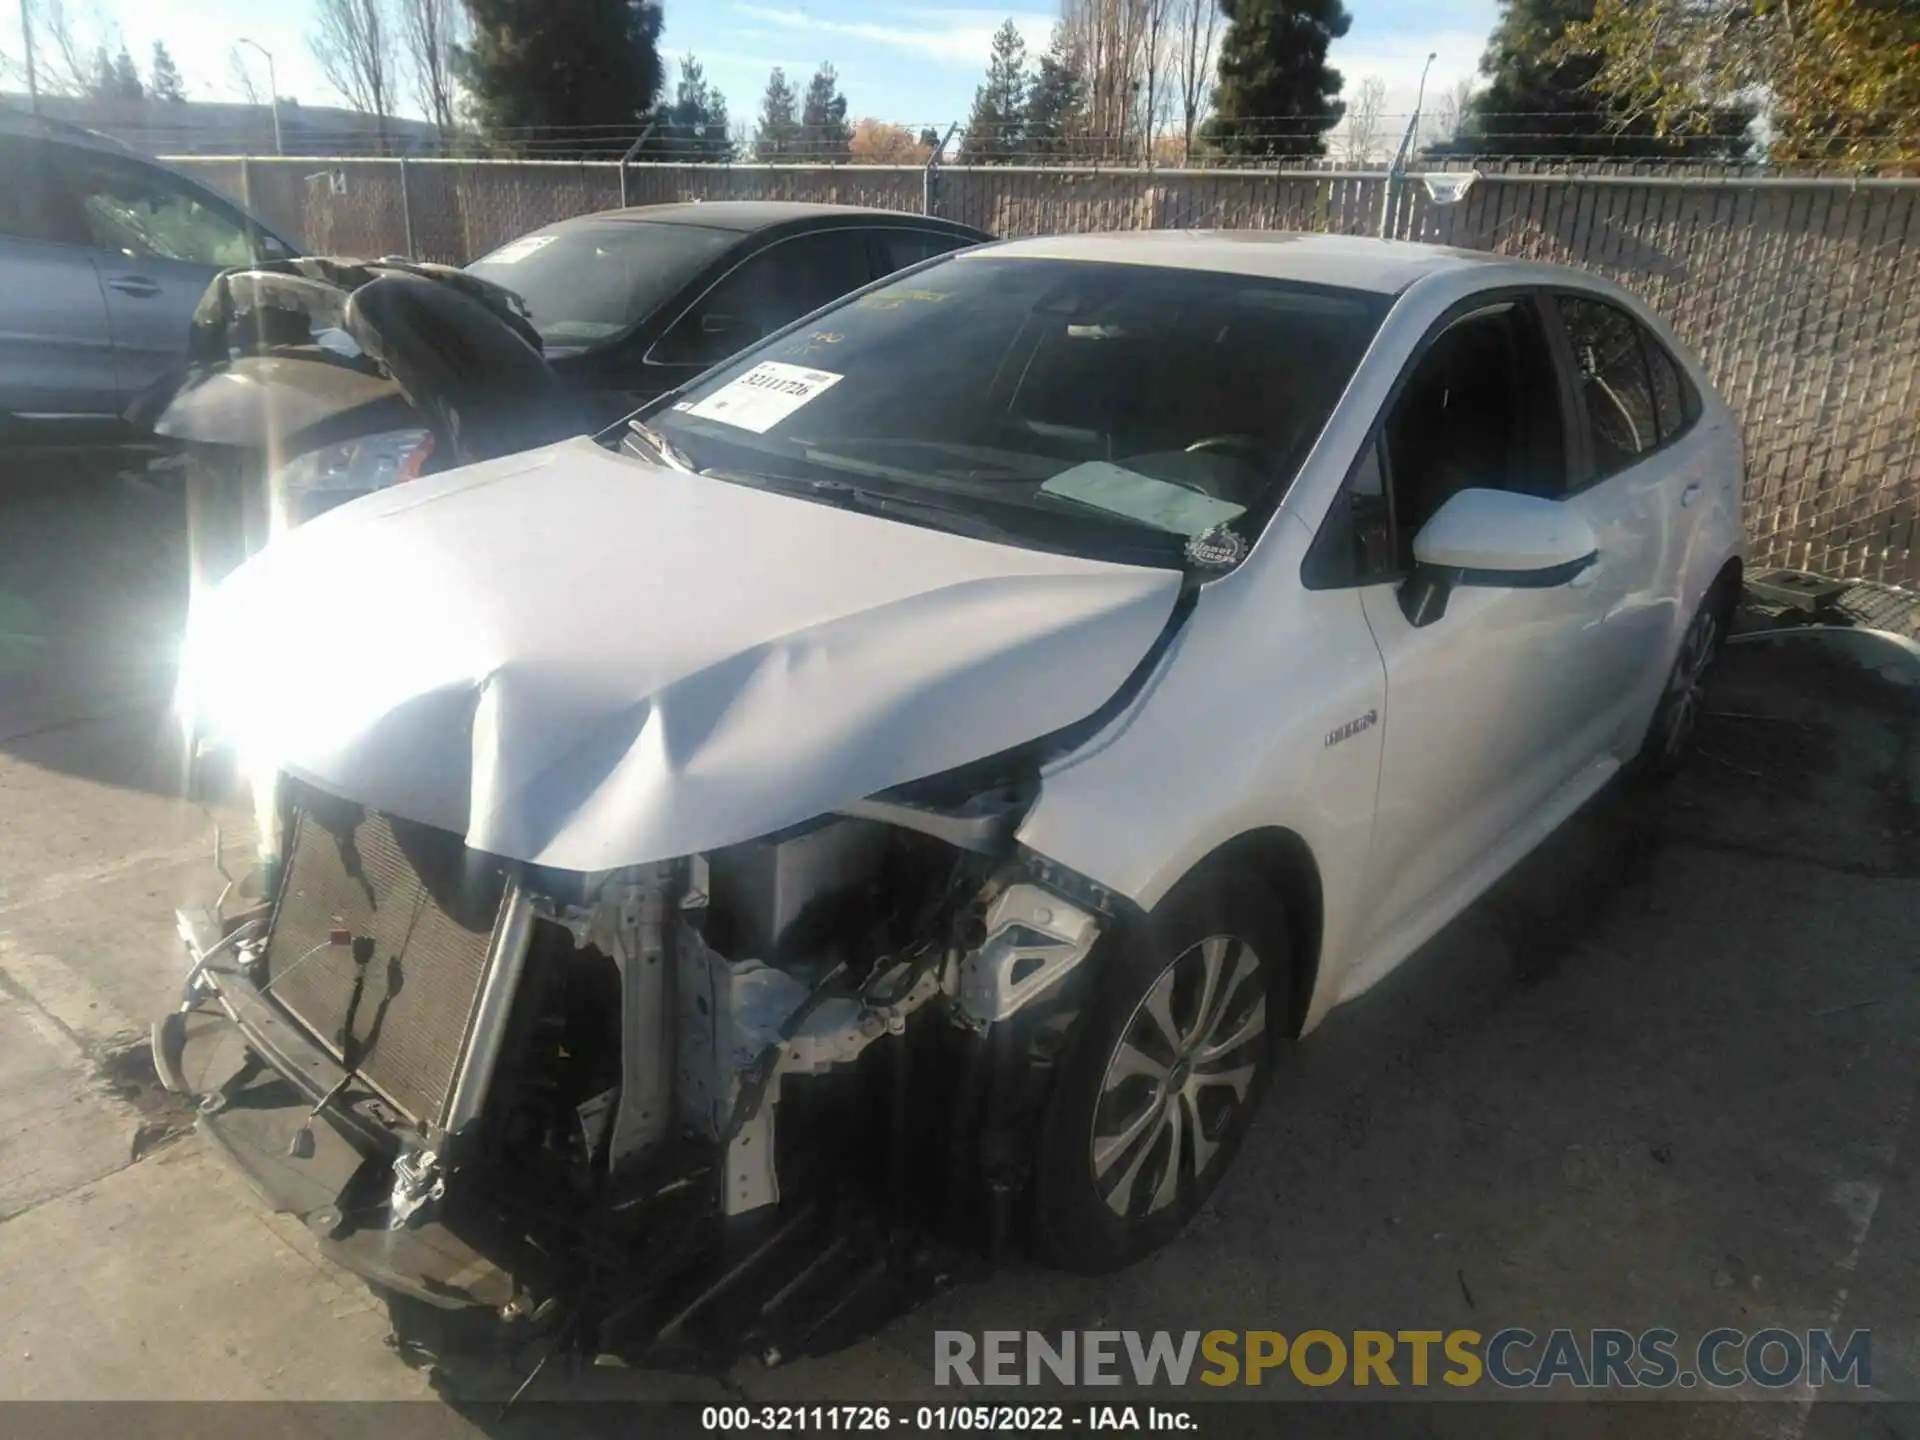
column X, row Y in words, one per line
column 26, row 39
column 273, row 90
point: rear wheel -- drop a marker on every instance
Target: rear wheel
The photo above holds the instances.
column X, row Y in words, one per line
column 1163, row 1076
column 1676, row 719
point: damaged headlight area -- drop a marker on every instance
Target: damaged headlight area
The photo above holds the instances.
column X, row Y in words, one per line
column 752, row 1101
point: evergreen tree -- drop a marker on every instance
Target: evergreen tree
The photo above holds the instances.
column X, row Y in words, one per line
column 997, row 125
column 1542, row 100
column 164, row 82
column 1277, row 95
column 584, row 71
column 779, row 134
column 126, row 77
column 1056, row 98
column 695, row 126
column 824, row 134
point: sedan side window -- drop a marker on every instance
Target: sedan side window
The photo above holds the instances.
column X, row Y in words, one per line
column 1615, row 387
column 783, row 282
column 901, row 248
column 1676, row 403
column 1479, row 412
column 143, row 212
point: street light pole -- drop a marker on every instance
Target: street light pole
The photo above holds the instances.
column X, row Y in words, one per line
column 1421, row 94
column 273, row 90
column 26, row 39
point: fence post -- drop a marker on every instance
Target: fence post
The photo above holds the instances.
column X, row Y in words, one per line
column 627, row 159
column 929, row 180
column 406, row 211
column 246, row 184
column 1396, row 180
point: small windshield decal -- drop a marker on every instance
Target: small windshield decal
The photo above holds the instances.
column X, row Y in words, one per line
column 764, row 396
column 519, row 250
column 894, row 299
column 1216, row 549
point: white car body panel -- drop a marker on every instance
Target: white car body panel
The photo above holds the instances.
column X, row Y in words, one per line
column 1495, row 724
column 701, row 664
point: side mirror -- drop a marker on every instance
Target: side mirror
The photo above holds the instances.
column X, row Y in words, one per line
column 1494, row 538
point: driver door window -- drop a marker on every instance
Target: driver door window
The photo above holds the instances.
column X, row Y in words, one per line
column 788, row 279
column 143, row 213
column 1479, row 411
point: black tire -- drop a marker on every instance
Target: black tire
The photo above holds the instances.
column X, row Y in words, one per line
column 1670, row 734
column 1075, row 1225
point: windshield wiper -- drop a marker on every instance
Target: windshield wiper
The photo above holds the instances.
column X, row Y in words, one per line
column 661, row 446
column 885, row 504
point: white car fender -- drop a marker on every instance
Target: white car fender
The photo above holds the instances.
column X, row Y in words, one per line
column 1264, row 714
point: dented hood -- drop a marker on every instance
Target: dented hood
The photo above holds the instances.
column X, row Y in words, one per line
column 582, row 660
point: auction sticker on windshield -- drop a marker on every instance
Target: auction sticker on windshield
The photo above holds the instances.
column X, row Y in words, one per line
column 764, row 396
column 518, row 250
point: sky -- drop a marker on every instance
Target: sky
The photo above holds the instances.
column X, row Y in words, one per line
column 906, row 61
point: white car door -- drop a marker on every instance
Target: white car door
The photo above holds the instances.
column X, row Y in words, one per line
column 1497, row 713
column 1637, row 493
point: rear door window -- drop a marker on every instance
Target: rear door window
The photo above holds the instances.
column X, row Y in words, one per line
column 1616, row 389
column 29, row 205
column 788, row 279
column 1674, row 401
column 901, row 248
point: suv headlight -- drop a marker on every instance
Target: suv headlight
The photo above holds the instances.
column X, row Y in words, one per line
column 315, row 482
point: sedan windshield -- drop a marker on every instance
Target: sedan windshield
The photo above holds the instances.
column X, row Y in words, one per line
column 1139, row 413
column 587, row 282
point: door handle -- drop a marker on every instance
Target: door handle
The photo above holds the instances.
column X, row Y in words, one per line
column 1690, row 494
column 135, row 285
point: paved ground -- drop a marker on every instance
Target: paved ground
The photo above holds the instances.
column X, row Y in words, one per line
column 1666, row 1077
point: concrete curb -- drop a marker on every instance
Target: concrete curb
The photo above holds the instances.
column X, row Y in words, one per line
column 1894, row 658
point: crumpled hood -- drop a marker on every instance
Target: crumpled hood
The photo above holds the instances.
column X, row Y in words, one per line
column 582, row 660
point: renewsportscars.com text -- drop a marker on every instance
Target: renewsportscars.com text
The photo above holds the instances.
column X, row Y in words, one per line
column 1512, row 1358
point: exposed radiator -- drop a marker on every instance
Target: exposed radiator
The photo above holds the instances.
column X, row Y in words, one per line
column 416, row 909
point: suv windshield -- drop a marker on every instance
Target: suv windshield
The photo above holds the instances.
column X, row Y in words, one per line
column 1112, row 410
column 584, row 283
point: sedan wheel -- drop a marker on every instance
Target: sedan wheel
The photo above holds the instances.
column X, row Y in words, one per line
column 1162, row 1073
column 1678, row 716
column 1183, row 1068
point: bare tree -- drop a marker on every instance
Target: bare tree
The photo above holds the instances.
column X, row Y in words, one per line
column 354, row 42
column 1156, row 63
column 1109, row 37
column 1364, row 113
column 429, row 30
column 1196, row 36
column 64, row 46
column 1451, row 109
column 240, row 78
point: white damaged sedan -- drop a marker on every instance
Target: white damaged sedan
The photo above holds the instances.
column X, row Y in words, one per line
column 891, row 799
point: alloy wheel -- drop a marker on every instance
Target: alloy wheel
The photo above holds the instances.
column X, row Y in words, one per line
column 1686, row 687
column 1184, row 1066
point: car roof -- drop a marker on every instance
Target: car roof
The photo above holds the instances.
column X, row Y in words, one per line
column 21, row 122
column 1353, row 262
column 749, row 215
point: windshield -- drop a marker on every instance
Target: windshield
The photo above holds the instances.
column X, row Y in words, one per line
column 585, row 283
column 1133, row 412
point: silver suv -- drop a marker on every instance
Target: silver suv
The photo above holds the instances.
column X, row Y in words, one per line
column 103, row 256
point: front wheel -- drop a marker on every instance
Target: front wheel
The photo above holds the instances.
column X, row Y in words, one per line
column 1163, row 1075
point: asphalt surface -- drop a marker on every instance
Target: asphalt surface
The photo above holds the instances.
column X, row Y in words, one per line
column 1665, row 1076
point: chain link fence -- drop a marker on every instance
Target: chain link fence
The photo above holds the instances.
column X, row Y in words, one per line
column 1801, row 294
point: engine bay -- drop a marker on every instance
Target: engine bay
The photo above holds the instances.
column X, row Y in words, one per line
column 753, row 1101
